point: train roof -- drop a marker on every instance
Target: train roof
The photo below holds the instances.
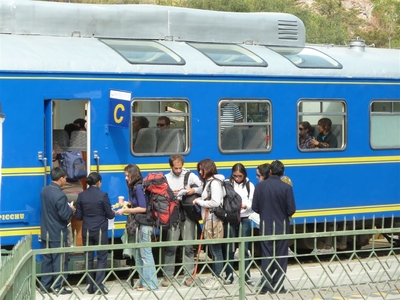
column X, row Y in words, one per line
column 148, row 39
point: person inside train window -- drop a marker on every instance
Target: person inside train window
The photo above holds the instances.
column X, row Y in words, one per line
column 163, row 122
column 325, row 138
column 230, row 113
column 306, row 133
column 139, row 123
column 81, row 124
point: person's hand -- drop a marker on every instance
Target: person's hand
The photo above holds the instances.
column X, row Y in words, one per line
column 314, row 142
column 120, row 212
column 190, row 191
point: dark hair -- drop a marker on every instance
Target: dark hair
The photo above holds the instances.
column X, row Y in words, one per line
column 307, row 125
column 166, row 119
column 208, row 167
column 175, row 157
column 70, row 127
column 325, row 123
column 277, row 168
column 143, row 122
column 93, row 178
column 134, row 174
column 56, row 173
column 264, row 170
column 81, row 123
column 241, row 168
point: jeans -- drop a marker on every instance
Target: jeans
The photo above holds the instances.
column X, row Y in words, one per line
column 229, row 249
column 217, row 257
column 187, row 231
column 144, row 259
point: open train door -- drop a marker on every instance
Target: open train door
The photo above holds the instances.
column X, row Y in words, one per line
column 66, row 129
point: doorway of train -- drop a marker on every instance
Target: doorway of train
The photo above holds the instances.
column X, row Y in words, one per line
column 67, row 130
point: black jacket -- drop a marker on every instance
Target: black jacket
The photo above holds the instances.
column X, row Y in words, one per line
column 94, row 208
column 273, row 199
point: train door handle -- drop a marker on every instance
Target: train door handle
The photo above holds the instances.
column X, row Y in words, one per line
column 97, row 158
column 44, row 160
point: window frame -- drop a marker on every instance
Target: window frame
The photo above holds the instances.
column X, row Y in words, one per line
column 382, row 113
column 250, row 55
column 269, row 137
column 321, row 114
column 155, row 116
column 151, row 43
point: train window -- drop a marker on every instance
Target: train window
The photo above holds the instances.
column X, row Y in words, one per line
column 307, row 57
column 244, row 126
column 321, row 124
column 385, row 124
column 229, row 55
column 159, row 126
column 144, row 52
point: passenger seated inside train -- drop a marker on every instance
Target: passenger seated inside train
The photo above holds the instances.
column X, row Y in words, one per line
column 325, row 138
column 163, row 122
column 139, row 123
column 78, row 124
column 306, row 135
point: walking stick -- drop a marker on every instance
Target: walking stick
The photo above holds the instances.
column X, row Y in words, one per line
column 199, row 247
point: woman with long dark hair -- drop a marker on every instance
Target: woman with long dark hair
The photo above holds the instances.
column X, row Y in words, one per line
column 211, row 197
column 245, row 189
column 143, row 256
column 306, row 133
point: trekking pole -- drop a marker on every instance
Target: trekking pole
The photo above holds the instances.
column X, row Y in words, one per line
column 199, row 247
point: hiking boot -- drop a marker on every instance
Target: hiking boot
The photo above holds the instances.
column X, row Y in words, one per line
column 166, row 282
column 188, row 281
column 212, row 284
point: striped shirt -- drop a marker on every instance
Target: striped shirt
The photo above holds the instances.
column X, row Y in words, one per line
column 229, row 113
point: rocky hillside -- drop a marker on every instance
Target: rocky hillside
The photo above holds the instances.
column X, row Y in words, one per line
column 364, row 6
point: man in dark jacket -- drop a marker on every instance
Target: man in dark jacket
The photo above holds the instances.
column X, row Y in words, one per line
column 274, row 200
column 55, row 216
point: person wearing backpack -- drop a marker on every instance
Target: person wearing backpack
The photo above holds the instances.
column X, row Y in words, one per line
column 143, row 256
column 274, row 200
column 185, row 185
column 211, row 197
column 245, row 189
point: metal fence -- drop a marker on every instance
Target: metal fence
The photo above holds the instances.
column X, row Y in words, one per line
column 357, row 271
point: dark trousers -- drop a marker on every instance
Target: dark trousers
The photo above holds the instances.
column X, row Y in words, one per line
column 96, row 277
column 269, row 264
column 53, row 263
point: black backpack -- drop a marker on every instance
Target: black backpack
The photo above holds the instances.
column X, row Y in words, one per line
column 229, row 211
column 187, row 202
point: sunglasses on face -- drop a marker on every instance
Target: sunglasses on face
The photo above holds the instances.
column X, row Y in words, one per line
column 301, row 129
column 237, row 176
column 258, row 175
column 160, row 125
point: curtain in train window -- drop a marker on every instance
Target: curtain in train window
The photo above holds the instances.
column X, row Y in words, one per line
column 385, row 124
column 159, row 126
column 244, row 126
column 321, row 124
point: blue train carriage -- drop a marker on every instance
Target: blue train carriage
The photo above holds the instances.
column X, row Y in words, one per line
column 112, row 64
